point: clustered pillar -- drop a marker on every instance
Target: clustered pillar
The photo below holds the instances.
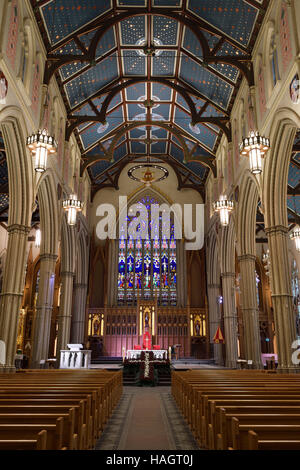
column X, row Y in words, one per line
column 230, row 319
column 65, row 311
column 78, row 316
column 249, row 310
column 42, row 322
column 282, row 299
column 215, row 319
column 12, row 290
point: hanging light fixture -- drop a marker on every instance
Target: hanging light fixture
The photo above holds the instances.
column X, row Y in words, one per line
column 40, row 144
column 72, row 205
column 295, row 235
column 37, row 243
column 255, row 146
column 224, row 207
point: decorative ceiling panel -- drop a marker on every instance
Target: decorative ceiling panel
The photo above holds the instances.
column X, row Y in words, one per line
column 149, row 47
column 208, row 84
column 235, row 18
column 86, row 84
column 164, row 64
column 294, row 175
column 63, row 17
column 132, row 30
column 165, row 30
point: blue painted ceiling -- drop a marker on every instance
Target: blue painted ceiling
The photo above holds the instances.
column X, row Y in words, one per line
column 229, row 28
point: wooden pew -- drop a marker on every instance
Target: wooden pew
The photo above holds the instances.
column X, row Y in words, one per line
column 254, row 443
column 274, row 432
column 92, row 396
column 224, row 438
column 54, row 439
column 69, row 438
column 39, row 443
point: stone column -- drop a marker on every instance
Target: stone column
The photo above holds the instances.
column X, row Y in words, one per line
column 249, row 310
column 213, row 291
column 65, row 312
column 12, row 290
column 230, row 319
column 42, row 322
column 78, row 315
column 282, row 299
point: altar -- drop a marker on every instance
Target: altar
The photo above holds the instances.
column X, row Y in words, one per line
column 146, row 365
column 137, row 353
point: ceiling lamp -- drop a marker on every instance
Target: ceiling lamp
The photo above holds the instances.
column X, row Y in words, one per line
column 224, row 206
column 255, row 146
column 148, row 173
column 149, row 51
column 295, row 235
column 37, row 242
column 72, row 205
column 40, row 144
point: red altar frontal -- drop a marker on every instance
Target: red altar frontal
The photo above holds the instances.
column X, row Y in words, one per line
column 114, row 331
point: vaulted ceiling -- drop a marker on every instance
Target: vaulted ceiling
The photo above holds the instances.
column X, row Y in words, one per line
column 151, row 79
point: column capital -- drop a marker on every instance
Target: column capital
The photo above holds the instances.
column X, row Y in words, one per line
column 48, row 257
column 18, row 228
column 224, row 275
column 276, row 229
column 67, row 274
column 247, row 257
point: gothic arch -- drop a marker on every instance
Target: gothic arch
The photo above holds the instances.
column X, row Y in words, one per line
column 276, row 166
column 20, row 168
column 21, row 197
column 246, row 215
column 49, row 213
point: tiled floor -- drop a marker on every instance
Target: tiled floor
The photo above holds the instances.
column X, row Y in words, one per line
column 146, row 418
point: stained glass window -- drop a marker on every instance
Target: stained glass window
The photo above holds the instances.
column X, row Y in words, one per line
column 147, row 267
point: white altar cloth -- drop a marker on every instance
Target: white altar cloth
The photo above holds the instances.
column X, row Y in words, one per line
column 136, row 353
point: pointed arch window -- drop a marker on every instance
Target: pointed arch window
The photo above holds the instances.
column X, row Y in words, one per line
column 147, row 268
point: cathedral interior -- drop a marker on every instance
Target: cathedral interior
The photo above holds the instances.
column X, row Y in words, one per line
column 109, row 109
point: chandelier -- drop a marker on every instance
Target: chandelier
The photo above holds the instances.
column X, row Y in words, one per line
column 224, row 207
column 255, row 146
column 295, row 235
column 72, row 205
column 40, row 144
column 148, row 173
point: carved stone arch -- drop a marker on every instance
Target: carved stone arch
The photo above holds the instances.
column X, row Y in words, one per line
column 49, row 213
column 276, row 167
column 21, row 198
column 20, row 166
column 68, row 247
column 246, row 215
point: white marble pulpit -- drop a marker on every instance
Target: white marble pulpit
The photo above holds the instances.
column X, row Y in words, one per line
column 75, row 357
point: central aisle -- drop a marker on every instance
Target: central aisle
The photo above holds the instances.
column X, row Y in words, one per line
column 146, row 419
